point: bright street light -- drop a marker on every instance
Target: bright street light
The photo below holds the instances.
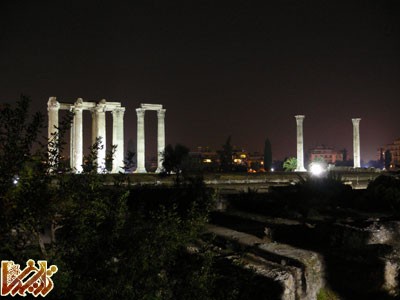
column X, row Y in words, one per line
column 316, row 169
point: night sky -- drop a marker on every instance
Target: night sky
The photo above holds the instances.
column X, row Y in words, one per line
column 219, row 68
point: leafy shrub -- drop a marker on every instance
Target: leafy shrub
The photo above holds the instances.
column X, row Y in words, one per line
column 384, row 194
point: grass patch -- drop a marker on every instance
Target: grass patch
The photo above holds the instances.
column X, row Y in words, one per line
column 327, row 294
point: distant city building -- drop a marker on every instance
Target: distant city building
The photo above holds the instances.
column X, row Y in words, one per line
column 252, row 162
column 394, row 149
column 240, row 157
column 328, row 154
column 207, row 158
column 242, row 160
column 205, row 155
column 256, row 162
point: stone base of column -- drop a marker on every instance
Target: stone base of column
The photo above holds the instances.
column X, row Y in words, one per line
column 117, row 170
column 300, row 170
column 159, row 170
column 140, row 171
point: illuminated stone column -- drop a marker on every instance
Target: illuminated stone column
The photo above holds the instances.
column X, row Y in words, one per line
column 101, row 133
column 300, row 147
column 78, row 136
column 118, row 139
column 140, row 141
column 72, row 142
column 160, row 139
column 53, row 107
column 94, row 126
column 356, row 142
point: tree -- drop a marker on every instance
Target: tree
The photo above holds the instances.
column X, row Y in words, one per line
column 388, row 159
column 23, row 207
column 128, row 161
column 383, row 194
column 255, row 165
column 131, row 146
column 175, row 160
column 290, row 164
column 267, row 155
column 225, row 156
column 344, row 151
column 17, row 136
column 118, row 230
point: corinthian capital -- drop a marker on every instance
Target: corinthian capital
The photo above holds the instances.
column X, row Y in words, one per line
column 53, row 104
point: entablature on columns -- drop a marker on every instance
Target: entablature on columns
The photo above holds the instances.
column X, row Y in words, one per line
column 148, row 106
column 102, row 105
column 110, row 106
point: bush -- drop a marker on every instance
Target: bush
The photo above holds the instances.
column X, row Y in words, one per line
column 130, row 243
column 383, row 194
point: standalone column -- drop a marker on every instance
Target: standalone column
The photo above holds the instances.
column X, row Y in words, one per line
column 160, row 139
column 118, row 139
column 140, row 141
column 300, row 151
column 78, row 136
column 101, row 134
column 356, row 142
column 72, row 143
column 53, row 107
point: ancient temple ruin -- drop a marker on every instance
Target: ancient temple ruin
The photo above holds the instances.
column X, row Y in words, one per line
column 98, row 111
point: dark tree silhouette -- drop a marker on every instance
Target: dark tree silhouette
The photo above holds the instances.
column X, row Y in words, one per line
column 225, row 156
column 267, row 155
column 18, row 133
column 344, row 151
column 175, row 159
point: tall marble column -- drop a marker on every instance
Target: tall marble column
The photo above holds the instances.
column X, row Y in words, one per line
column 160, row 139
column 94, row 126
column 101, row 134
column 72, row 143
column 356, row 142
column 118, row 139
column 140, row 141
column 78, row 136
column 300, row 146
column 53, row 107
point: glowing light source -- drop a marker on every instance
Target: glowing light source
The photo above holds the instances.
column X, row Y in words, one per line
column 316, row 169
column 15, row 179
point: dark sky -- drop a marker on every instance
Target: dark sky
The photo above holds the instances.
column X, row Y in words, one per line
column 219, row 68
